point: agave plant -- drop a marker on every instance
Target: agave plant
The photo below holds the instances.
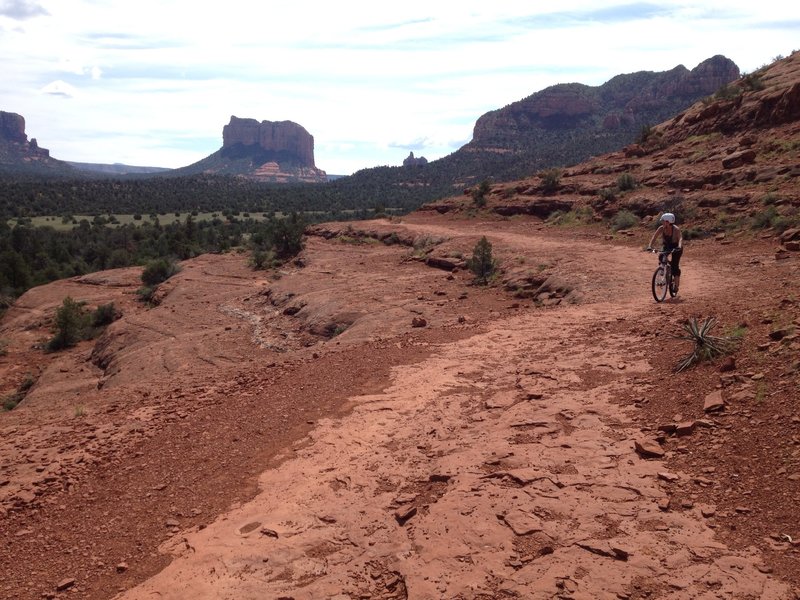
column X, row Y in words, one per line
column 706, row 346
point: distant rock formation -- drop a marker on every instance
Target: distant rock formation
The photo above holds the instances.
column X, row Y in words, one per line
column 283, row 138
column 622, row 103
column 412, row 161
column 22, row 157
column 12, row 127
column 569, row 122
column 269, row 151
column 12, row 131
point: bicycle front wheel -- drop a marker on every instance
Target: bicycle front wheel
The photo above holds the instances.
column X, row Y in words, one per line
column 660, row 284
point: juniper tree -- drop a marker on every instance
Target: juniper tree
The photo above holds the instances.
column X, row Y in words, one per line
column 482, row 264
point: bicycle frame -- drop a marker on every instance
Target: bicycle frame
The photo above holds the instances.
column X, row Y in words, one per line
column 662, row 277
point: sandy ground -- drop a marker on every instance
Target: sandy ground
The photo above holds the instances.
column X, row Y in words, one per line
column 297, row 437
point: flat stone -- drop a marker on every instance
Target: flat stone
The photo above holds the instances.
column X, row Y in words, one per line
column 685, row 428
column 522, row 523
column 603, row 548
column 714, row 402
column 404, row 513
column 668, row 476
column 648, row 449
column 65, row 584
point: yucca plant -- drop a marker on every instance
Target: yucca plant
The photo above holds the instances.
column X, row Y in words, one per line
column 706, row 346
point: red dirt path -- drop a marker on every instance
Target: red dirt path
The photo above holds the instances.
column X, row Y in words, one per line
column 222, row 446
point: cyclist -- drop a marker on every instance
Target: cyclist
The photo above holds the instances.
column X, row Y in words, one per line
column 671, row 240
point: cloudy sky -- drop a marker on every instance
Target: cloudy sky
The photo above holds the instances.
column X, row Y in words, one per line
column 153, row 82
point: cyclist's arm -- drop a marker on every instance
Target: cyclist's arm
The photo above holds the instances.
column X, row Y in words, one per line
column 655, row 235
column 680, row 240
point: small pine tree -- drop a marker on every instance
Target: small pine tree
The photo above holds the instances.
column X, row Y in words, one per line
column 480, row 192
column 482, row 264
column 70, row 326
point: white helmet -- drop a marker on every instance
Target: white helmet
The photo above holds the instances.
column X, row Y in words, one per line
column 668, row 217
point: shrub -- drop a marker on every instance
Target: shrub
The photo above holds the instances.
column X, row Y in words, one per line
column 288, row 236
column 727, row 92
column 71, row 323
column 480, row 192
column 624, row 219
column 147, row 293
column 551, row 180
column 644, row 134
column 607, row 194
column 482, row 264
column 158, row 271
column 105, row 314
column 706, row 346
column 262, row 259
column 765, row 218
column 752, row 82
column 626, row 182
column 582, row 215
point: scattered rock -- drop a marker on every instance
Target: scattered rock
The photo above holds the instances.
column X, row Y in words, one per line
column 404, row 513
column 779, row 334
column 668, row 476
column 65, row 584
column 269, row 532
column 738, row 159
column 686, row 428
column 729, row 364
column 782, row 254
column 603, row 548
column 648, row 449
column 790, row 235
column 419, row 322
column 714, row 402
column 122, row 567
column 664, row 504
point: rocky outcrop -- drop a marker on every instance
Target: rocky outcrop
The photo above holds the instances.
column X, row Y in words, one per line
column 281, row 138
column 749, row 103
column 12, row 127
column 413, row 161
column 18, row 155
column 274, row 152
column 624, row 102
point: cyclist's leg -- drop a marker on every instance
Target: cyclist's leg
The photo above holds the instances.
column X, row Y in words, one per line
column 676, row 269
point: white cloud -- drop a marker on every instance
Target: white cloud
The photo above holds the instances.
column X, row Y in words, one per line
column 155, row 80
column 59, row 88
column 21, row 9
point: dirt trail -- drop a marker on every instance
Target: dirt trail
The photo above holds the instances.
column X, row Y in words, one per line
column 500, row 467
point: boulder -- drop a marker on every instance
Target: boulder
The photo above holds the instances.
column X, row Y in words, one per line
column 738, row 159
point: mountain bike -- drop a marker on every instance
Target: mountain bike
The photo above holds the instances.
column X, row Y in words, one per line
column 662, row 277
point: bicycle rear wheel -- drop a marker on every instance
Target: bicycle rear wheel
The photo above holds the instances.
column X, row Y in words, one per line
column 660, row 284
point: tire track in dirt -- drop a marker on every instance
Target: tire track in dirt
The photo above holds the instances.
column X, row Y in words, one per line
column 498, row 468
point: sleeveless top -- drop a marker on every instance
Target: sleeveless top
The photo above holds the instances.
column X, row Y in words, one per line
column 671, row 241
